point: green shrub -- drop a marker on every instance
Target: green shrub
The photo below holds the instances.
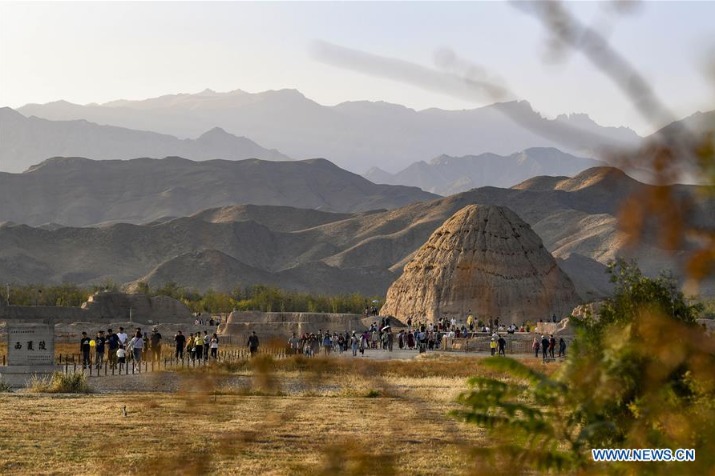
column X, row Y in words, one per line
column 638, row 376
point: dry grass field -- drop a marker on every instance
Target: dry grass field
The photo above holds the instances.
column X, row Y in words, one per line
column 290, row 416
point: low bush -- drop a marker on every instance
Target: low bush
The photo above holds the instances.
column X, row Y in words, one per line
column 59, row 383
column 4, row 386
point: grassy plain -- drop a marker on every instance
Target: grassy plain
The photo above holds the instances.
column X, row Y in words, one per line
column 289, row 416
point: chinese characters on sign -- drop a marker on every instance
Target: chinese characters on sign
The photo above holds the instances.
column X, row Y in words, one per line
column 40, row 345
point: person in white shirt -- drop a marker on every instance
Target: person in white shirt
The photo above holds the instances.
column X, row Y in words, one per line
column 122, row 336
column 137, row 344
column 121, row 355
column 214, row 346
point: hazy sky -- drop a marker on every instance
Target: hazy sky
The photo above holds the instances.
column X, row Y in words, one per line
column 96, row 52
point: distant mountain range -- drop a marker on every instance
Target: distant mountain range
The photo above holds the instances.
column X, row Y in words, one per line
column 354, row 135
column 28, row 141
column 81, row 192
column 447, row 175
column 322, row 251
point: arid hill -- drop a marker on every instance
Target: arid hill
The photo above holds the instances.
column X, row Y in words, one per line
column 82, row 192
column 336, row 252
column 333, row 252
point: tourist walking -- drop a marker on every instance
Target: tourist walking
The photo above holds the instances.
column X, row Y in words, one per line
column 562, row 347
column 502, row 346
column 294, row 344
column 113, row 345
column 155, row 340
column 84, row 348
column 253, row 343
column 213, row 343
column 180, row 340
column 364, row 342
column 137, row 345
column 190, row 348
column 99, row 349
column 121, row 357
column 327, row 343
column 122, row 336
column 207, row 344
column 199, row 346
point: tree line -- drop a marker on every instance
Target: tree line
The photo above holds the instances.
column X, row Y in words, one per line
column 249, row 298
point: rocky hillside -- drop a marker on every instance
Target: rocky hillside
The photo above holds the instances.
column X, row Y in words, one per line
column 82, row 192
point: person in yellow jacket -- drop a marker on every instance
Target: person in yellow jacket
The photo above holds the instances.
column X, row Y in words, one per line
column 190, row 349
column 493, row 346
column 470, row 322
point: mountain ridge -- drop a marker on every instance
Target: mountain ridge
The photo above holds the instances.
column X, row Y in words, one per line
column 446, row 175
column 26, row 141
column 356, row 135
column 77, row 191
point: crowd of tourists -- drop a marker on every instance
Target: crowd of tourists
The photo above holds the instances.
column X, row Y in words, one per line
column 121, row 347
column 423, row 337
column 547, row 346
column 381, row 337
column 116, row 348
